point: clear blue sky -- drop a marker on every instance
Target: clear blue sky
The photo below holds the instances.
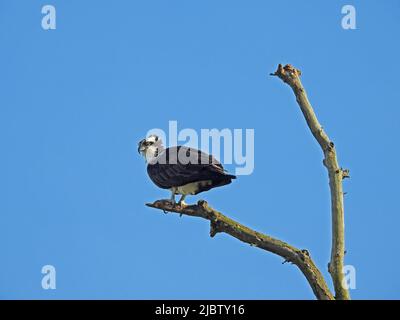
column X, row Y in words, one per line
column 75, row 101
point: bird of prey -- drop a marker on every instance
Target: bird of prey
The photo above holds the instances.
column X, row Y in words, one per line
column 182, row 170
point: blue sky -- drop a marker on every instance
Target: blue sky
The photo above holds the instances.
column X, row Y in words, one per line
column 75, row 101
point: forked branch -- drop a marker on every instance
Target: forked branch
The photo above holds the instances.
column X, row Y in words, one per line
column 300, row 258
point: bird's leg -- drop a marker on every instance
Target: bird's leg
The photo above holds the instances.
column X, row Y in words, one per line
column 181, row 202
column 172, row 199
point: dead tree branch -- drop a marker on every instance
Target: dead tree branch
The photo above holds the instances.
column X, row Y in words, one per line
column 300, row 258
column 221, row 223
column 291, row 76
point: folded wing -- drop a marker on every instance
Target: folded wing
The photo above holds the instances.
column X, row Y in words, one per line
column 179, row 166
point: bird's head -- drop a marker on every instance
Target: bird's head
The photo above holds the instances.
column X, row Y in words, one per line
column 150, row 147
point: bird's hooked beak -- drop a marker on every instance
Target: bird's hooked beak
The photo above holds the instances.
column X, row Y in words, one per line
column 141, row 146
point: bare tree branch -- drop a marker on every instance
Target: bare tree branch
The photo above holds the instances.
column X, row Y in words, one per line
column 291, row 76
column 221, row 223
column 301, row 258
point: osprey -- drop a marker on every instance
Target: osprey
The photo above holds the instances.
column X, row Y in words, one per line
column 181, row 169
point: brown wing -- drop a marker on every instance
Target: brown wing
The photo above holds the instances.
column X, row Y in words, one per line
column 178, row 166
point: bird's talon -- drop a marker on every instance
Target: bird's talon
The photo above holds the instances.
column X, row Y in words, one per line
column 171, row 202
column 181, row 204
